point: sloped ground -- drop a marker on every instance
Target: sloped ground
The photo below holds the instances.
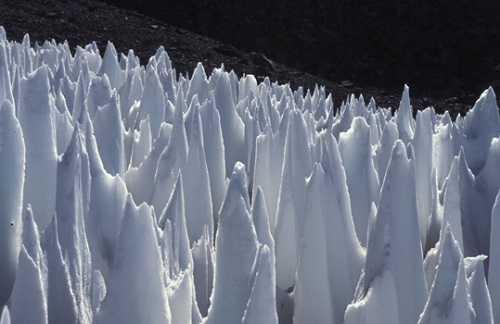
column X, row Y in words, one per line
column 437, row 47
column 84, row 21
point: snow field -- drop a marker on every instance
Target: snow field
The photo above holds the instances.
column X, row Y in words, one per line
column 130, row 194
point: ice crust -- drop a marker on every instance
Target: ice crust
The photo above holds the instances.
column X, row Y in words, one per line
column 132, row 194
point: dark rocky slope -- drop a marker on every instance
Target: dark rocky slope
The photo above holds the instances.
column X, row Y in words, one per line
column 84, row 21
column 439, row 48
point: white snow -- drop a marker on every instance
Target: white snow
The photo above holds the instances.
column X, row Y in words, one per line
column 449, row 298
column 135, row 290
column 132, row 194
column 494, row 269
column 12, row 160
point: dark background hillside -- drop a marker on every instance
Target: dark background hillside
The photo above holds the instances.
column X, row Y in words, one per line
column 440, row 48
column 447, row 54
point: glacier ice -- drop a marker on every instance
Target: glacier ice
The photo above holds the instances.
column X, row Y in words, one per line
column 494, row 269
column 449, row 298
column 362, row 179
column 12, row 161
column 394, row 252
column 136, row 290
column 132, row 194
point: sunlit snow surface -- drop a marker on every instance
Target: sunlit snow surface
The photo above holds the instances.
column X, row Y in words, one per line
column 129, row 194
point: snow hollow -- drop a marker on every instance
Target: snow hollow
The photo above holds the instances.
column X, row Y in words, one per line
column 129, row 194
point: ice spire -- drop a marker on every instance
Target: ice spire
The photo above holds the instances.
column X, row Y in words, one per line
column 261, row 222
column 79, row 104
column 269, row 155
column 180, row 298
column 140, row 180
column 475, row 212
column 142, row 144
column 71, row 208
column 394, row 252
column 494, row 255
column 99, row 94
column 383, row 154
column 12, row 164
column 448, row 299
column 362, row 179
column 404, row 117
column 135, row 293
column 291, row 201
column 108, row 131
column 478, row 289
column 261, row 306
column 61, row 303
column 442, row 152
column 6, row 86
column 29, row 293
column 480, row 126
column 198, row 84
column 31, row 240
column 313, row 294
column 5, row 316
column 451, row 204
column 422, row 144
column 174, row 212
column 203, row 270
column 199, row 210
column 152, row 101
column 231, row 124
column 107, row 197
column 172, row 159
column 214, row 154
column 236, row 249
column 111, row 67
column 35, row 117
column 341, row 239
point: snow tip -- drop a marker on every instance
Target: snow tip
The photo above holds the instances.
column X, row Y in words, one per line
column 110, row 47
column 404, row 104
column 159, row 51
column 487, row 96
column 448, row 237
column 199, row 68
column 239, row 168
column 7, row 109
column 399, row 148
column 5, row 317
column 239, row 175
column 73, row 146
column 462, row 160
column 474, row 263
column 406, row 92
column 264, row 251
column 447, row 229
column 40, row 74
column 238, row 183
column 490, row 93
column 110, row 57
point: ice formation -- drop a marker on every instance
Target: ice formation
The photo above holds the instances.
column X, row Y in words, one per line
column 131, row 194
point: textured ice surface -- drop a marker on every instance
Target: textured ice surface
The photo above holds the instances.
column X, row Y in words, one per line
column 130, row 194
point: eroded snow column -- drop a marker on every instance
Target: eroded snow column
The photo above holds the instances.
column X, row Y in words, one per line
column 35, row 116
column 135, row 291
column 394, row 255
column 12, row 161
column 448, row 298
